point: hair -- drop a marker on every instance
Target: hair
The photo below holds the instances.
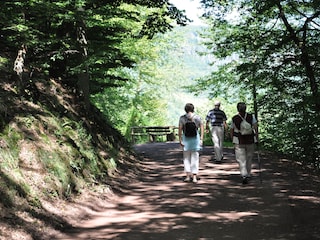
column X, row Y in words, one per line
column 241, row 106
column 189, row 107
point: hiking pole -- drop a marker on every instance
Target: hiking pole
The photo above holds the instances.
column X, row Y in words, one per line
column 259, row 163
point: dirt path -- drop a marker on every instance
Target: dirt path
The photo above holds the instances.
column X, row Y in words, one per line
column 285, row 205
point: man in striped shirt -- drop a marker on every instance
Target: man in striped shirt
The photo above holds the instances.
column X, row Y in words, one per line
column 217, row 120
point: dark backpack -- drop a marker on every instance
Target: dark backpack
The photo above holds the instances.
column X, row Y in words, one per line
column 190, row 128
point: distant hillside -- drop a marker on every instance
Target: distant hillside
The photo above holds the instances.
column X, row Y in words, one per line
column 192, row 66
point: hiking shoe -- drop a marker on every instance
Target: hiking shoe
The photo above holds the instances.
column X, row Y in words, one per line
column 244, row 180
column 187, row 179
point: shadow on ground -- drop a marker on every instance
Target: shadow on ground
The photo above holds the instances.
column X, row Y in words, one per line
column 280, row 202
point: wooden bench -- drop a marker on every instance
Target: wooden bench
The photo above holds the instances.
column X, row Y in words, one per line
column 137, row 132
column 157, row 131
column 153, row 133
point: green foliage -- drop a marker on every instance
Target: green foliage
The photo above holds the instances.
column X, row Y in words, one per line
column 267, row 53
column 116, row 44
column 60, row 35
column 105, row 40
column 11, row 179
column 156, row 93
column 43, row 154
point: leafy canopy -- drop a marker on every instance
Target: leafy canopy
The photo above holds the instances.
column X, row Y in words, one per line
column 269, row 50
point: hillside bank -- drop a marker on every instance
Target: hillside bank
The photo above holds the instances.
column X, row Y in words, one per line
column 53, row 151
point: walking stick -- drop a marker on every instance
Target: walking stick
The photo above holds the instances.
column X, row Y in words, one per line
column 259, row 163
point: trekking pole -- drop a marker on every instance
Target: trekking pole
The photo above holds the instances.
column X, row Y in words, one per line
column 259, row 163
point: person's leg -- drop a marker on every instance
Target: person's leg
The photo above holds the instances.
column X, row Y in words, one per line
column 194, row 165
column 216, row 142
column 187, row 164
column 240, row 152
column 250, row 153
column 220, row 132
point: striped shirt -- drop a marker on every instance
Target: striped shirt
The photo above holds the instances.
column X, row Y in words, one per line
column 216, row 117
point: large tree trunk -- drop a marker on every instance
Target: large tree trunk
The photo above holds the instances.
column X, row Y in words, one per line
column 18, row 66
column 301, row 43
column 83, row 85
column 83, row 78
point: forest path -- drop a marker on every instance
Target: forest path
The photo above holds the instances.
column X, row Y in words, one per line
column 284, row 205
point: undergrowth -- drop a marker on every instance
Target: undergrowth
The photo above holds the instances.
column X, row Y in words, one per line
column 50, row 149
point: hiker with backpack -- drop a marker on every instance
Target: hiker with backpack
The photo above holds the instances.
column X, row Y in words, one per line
column 217, row 120
column 244, row 135
column 191, row 141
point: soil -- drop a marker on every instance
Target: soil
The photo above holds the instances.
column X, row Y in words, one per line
column 281, row 201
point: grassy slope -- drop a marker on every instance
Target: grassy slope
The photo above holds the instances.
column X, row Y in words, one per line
column 53, row 151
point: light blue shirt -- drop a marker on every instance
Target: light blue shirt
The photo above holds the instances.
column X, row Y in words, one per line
column 191, row 143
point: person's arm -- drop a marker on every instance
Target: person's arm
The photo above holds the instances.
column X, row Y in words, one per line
column 231, row 133
column 225, row 125
column 180, row 134
column 231, row 130
column 201, row 132
column 207, row 126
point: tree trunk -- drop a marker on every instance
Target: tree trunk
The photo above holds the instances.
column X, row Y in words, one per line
column 305, row 60
column 83, row 78
column 18, row 66
column 83, row 85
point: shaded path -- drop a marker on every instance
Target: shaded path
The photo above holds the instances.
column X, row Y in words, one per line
column 285, row 205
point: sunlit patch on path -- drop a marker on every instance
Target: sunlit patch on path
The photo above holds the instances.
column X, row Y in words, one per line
column 159, row 205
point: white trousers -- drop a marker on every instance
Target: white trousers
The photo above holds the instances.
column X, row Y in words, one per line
column 244, row 154
column 191, row 161
column 217, row 134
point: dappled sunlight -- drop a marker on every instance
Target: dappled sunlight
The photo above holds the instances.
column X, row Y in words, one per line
column 129, row 217
column 159, row 205
column 311, row 199
column 231, row 216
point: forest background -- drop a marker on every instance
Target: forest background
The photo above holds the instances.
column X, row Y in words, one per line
column 77, row 75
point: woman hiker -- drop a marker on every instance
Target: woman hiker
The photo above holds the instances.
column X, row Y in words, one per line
column 191, row 141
